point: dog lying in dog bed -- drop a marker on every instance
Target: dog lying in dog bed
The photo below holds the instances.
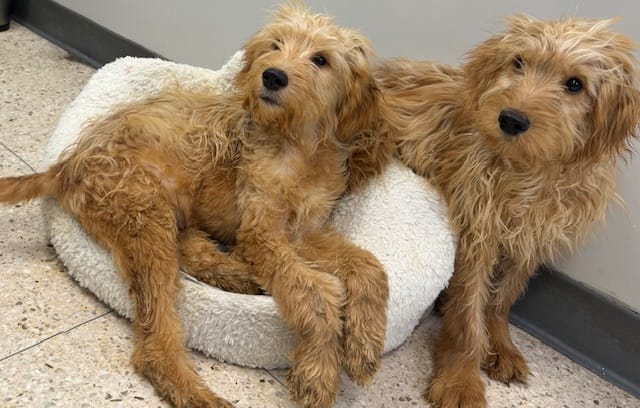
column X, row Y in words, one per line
column 399, row 218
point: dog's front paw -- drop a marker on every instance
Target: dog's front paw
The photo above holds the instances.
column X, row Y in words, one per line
column 507, row 365
column 363, row 344
column 459, row 391
column 365, row 318
column 312, row 389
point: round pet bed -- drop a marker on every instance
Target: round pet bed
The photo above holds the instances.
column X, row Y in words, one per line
column 399, row 218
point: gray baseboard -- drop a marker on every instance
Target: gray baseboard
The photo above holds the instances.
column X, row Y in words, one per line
column 81, row 37
column 589, row 328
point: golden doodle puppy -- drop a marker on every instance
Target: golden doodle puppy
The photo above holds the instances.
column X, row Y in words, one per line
column 523, row 142
column 259, row 169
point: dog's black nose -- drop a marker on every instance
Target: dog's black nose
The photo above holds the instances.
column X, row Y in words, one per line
column 274, row 79
column 513, row 122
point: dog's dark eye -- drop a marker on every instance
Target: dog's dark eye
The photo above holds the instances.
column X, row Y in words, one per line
column 518, row 63
column 276, row 45
column 573, row 85
column 319, row 60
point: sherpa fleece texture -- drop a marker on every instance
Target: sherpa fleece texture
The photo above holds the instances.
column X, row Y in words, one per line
column 398, row 218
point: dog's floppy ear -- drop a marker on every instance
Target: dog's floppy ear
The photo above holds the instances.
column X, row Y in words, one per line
column 359, row 107
column 250, row 51
column 616, row 106
column 482, row 66
column 364, row 121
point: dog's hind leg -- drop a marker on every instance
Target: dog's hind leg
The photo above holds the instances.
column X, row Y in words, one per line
column 201, row 258
column 140, row 230
column 365, row 317
column 503, row 361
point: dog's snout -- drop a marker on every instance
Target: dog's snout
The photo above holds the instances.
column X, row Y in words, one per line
column 513, row 122
column 274, row 79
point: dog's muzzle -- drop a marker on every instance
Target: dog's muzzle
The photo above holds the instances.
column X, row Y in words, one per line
column 513, row 122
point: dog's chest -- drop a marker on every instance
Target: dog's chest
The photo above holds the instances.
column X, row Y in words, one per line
column 306, row 185
column 544, row 219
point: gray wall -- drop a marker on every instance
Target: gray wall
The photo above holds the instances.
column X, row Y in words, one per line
column 206, row 33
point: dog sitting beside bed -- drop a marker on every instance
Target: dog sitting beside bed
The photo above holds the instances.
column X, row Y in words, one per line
column 523, row 142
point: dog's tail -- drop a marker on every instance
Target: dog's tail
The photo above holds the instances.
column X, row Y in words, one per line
column 22, row 188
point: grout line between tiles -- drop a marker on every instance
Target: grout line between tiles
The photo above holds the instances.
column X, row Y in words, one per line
column 275, row 378
column 17, row 156
column 54, row 335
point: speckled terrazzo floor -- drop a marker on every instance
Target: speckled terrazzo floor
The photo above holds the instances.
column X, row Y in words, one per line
column 59, row 346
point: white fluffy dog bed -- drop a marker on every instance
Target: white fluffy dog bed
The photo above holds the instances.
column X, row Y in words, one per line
column 399, row 218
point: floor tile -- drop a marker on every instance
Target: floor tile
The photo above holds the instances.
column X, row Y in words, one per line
column 89, row 367
column 37, row 298
column 37, row 81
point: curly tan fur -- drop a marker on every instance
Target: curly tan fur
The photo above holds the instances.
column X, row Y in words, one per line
column 260, row 169
column 515, row 201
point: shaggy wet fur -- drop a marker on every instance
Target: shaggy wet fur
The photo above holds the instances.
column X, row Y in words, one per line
column 523, row 142
column 259, row 169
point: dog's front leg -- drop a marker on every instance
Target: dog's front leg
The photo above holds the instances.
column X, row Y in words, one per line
column 503, row 361
column 462, row 341
column 309, row 300
column 367, row 292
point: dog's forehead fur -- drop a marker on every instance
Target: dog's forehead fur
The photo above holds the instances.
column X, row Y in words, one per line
column 579, row 42
column 295, row 26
